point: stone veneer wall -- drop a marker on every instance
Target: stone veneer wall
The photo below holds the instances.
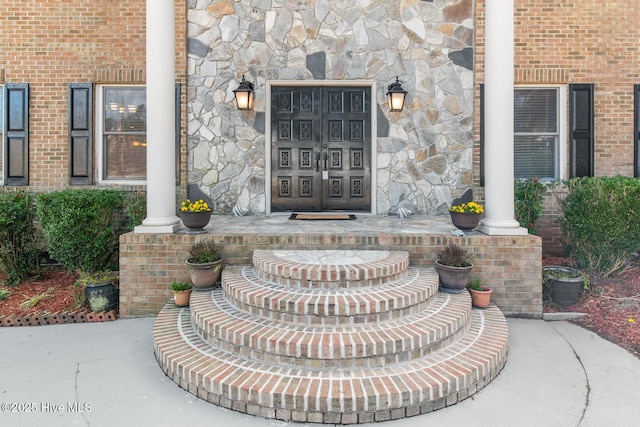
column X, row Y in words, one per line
column 425, row 152
column 512, row 266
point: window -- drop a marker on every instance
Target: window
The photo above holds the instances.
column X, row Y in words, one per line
column 537, row 151
column 122, row 133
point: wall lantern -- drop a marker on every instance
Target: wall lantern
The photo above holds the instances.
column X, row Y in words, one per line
column 396, row 95
column 244, row 95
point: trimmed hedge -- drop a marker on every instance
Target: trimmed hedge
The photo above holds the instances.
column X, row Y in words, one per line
column 18, row 244
column 82, row 227
column 601, row 223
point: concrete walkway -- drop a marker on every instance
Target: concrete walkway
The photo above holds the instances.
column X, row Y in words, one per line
column 557, row 374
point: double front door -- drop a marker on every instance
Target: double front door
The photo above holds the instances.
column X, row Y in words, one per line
column 320, row 148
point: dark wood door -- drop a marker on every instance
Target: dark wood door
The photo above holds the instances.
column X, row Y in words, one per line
column 321, row 149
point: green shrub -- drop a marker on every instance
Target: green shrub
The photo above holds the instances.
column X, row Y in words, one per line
column 180, row 286
column 601, row 222
column 135, row 208
column 529, row 195
column 18, row 243
column 81, row 227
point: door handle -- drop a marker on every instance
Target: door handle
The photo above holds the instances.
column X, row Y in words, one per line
column 325, row 157
column 317, row 162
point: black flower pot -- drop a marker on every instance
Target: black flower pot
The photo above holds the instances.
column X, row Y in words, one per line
column 465, row 220
column 195, row 220
column 565, row 284
column 102, row 296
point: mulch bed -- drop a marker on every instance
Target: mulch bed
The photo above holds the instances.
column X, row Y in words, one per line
column 612, row 306
column 58, row 306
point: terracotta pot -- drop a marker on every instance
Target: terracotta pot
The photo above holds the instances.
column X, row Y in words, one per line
column 204, row 276
column 481, row 299
column 181, row 298
column 195, row 220
column 453, row 279
column 465, row 220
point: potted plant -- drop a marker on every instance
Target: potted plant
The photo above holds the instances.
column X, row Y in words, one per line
column 466, row 216
column 100, row 290
column 181, row 293
column 564, row 283
column 480, row 295
column 205, row 264
column 195, row 215
column 453, row 268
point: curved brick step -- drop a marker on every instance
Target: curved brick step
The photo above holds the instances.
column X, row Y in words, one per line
column 330, row 269
column 321, row 347
column 407, row 296
column 334, row 395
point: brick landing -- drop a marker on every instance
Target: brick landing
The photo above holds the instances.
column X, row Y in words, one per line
column 511, row 265
column 277, row 350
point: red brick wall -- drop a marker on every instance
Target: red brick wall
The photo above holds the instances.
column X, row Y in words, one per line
column 592, row 41
column 50, row 44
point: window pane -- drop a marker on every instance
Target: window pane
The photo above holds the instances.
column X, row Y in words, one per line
column 126, row 156
column 536, row 111
column 124, row 133
column 125, row 110
column 535, row 156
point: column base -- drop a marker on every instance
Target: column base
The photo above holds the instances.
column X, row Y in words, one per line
column 501, row 228
column 159, row 226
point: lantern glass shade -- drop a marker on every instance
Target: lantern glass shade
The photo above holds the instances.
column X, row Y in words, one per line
column 396, row 96
column 244, row 95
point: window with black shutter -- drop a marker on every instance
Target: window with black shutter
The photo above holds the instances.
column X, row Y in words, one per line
column 581, row 129
column 15, row 138
column 80, row 133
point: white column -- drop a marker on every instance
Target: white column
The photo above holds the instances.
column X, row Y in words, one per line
column 161, row 161
column 498, row 113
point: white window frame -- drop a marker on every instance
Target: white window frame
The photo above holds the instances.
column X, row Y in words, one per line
column 99, row 137
column 561, row 166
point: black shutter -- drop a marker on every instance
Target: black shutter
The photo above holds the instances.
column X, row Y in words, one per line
column 636, row 131
column 16, row 138
column 482, row 135
column 581, row 129
column 80, row 133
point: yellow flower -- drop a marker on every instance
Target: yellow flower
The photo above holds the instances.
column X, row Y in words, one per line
column 197, row 206
column 471, row 207
column 631, row 320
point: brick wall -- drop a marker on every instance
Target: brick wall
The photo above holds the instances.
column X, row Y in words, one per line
column 592, row 41
column 512, row 266
column 50, row 44
column 580, row 42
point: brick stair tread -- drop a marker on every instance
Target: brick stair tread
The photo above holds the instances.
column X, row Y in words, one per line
column 320, row 346
column 251, row 293
column 330, row 268
column 223, row 378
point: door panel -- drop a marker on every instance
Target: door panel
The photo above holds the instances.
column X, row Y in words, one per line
column 295, row 149
column 320, row 149
column 347, row 147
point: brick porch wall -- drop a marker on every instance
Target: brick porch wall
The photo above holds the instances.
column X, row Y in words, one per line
column 511, row 265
